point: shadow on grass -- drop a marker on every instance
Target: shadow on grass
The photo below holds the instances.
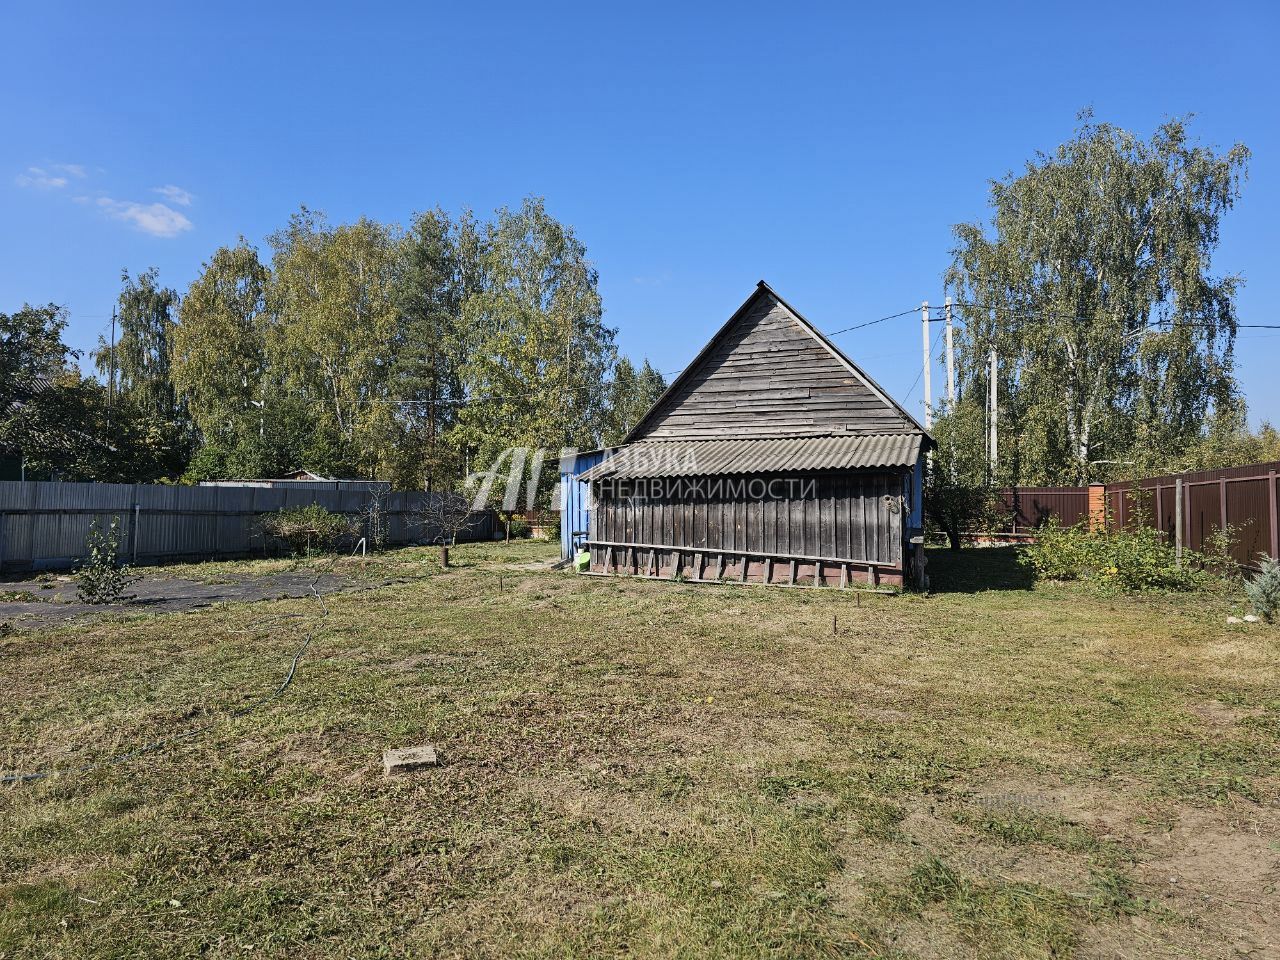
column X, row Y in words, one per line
column 975, row 569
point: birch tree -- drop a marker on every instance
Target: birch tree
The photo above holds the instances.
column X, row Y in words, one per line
column 538, row 349
column 219, row 356
column 331, row 341
column 1094, row 283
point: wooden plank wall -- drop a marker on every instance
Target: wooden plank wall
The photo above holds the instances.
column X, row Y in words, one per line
column 43, row 525
column 852, row 516
column 769, row 377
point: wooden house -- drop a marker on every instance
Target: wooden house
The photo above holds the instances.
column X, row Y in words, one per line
column 772, row 458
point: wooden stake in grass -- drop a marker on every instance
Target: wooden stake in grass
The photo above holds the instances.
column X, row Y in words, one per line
column 833, row 624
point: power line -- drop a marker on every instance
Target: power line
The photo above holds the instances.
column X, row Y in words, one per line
column 920, row 375
column 859, row 326
column 1025, row 312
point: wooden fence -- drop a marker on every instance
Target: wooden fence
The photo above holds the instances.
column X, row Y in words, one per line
column 43, row 525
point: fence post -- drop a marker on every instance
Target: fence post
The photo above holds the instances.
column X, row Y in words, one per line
column 4, row 516
column 1275, row 515
column 1159, row 517
column 1177, row 520
column 1222, row 504
column 133, row 531
column 1097, row 506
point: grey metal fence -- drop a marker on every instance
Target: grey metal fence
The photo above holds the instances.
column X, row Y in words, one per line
column 43, row 525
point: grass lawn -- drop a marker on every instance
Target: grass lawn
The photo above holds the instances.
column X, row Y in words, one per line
column 648, row 769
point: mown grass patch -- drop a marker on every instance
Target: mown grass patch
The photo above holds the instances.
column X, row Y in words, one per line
column 629, row 768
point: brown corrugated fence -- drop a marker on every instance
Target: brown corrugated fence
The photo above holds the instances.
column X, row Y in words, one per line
column 1244, row 497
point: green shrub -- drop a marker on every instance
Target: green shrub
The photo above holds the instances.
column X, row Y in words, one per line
column 1219, row 546
column 519, row 529
column 1264, row 589
column 956, row 509
column 100, row 577
column 309, row 528
column 1123, row 559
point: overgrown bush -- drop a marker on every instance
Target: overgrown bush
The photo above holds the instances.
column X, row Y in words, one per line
column 310, row 528
column 1124, row 559
column 955, row 509
column 1264, row 589
column 519, row 529
column 100, row 577
column 1219, row 547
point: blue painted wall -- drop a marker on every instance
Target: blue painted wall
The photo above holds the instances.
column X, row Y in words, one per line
column 575, row 502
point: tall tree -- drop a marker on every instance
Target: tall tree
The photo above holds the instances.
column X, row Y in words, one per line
column 145, row 414
column 335, row 305
column 140, row 360
column 538, row 349
column 33, row 361
column 429, row 347
column 1095, row 286
column 631, row 393
column 219, row 355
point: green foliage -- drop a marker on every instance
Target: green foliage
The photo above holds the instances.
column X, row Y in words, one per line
column 334, row 299
column 539, row 350
column 958, row 508
column 1263, row 590
column 1227, row 442
column 219, row 345
column 960, row 458
column 31, row 348
column 553, row 522
column 360, row 350
column 438, row 271
column 141, row 363
column 1089, row 248
column 1217, row 553
column 309, row 529
column 100, row 577
column 519, row 528
column 631, row 393
column 1121, row 559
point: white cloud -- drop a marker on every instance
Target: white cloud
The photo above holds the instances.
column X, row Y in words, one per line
column 40, row 179
column 157, row 219
column 71, row 169
column 174, row 194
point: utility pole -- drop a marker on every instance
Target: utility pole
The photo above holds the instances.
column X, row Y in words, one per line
column 951, row 387
column 928, row 389
column 111, row 383
column 993, row 415
column 951, row 364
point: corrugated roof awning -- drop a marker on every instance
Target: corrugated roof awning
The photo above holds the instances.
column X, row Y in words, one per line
column 693, row 458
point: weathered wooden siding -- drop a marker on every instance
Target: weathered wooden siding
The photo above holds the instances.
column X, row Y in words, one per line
column 849, row 518
column 767, row 376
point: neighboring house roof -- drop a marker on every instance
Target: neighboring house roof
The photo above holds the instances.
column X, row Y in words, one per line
column 770, row 374
column 690, row 458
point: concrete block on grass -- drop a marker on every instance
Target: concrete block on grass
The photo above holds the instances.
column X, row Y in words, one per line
column 408, row 759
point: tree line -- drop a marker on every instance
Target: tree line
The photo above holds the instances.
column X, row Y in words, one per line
column 360, row 350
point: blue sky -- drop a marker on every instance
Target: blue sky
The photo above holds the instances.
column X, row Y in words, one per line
column 695, row 148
